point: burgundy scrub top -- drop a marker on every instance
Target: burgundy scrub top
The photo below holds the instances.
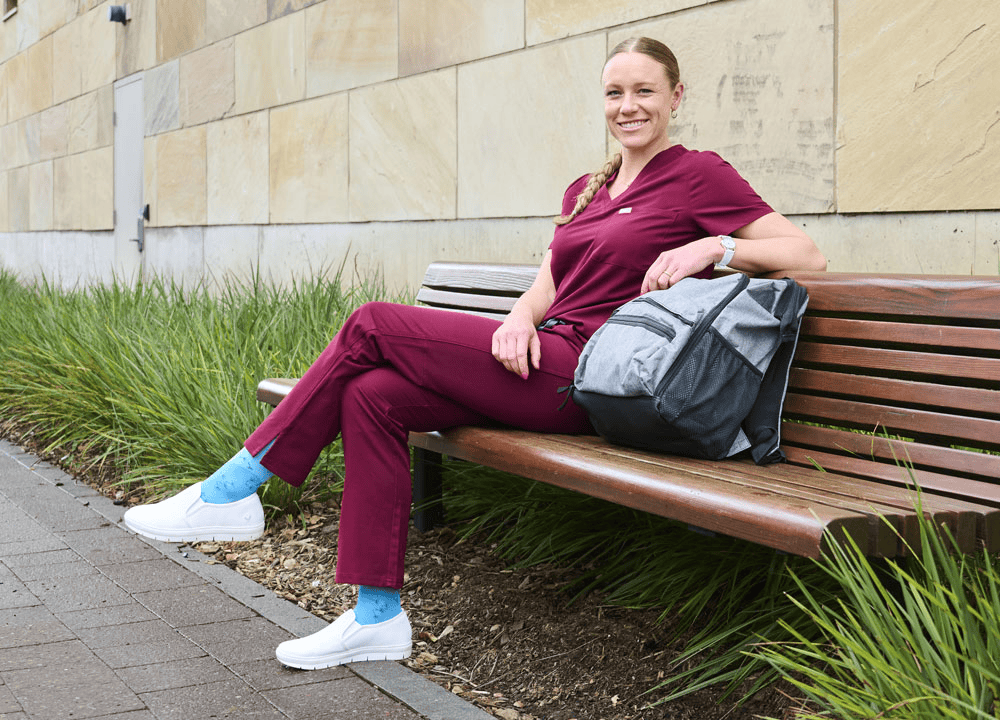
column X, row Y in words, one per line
column 599, row 258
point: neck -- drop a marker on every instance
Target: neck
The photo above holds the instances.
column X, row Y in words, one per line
column 633, row 161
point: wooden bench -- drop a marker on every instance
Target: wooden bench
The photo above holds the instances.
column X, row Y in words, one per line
column 890, row 369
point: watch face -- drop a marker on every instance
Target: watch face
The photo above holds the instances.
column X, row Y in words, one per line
column 728, row 243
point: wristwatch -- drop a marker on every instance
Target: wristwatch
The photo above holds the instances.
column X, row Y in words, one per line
column 729, row 245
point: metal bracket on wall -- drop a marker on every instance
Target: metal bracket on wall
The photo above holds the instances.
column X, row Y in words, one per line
column 140, row 228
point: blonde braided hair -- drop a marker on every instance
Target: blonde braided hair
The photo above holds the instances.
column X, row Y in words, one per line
column 594, row 183
column 663, row 55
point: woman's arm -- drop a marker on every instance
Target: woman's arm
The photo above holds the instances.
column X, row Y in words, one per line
column 768, row 244
column 516, row 340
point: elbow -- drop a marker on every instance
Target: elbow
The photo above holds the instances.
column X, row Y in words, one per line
column 813, row 259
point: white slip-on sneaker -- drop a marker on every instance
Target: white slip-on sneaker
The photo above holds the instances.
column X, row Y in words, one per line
column 185, row 517
column 346, row 641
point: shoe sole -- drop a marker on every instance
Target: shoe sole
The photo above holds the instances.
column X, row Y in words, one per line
column 200, row 534
column 335, row 659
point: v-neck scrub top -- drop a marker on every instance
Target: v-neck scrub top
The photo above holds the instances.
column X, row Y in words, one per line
column 600, row 257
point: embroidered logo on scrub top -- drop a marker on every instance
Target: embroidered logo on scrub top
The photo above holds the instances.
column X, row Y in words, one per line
column 625, row 211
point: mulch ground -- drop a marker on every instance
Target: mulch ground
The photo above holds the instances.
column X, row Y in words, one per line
column 508, row 640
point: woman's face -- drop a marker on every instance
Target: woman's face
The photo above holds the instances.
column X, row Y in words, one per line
column 638, row 98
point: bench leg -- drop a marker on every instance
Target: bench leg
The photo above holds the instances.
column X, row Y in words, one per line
column 427, row 489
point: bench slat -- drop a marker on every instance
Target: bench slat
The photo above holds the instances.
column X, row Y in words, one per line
column 940, row 336
column 896, row 503
column 865, row 447
column 944, row 296
column 902, row 361
column 505, row 278
column 895, row 420
column 709, row 503
column 911, row 392
column 465, row 301
column 966, row 521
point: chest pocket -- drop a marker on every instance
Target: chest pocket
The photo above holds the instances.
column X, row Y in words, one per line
column 634, row 239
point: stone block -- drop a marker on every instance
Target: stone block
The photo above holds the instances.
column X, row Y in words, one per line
column 66, row 51
column 180, row 28
column 26, row 25
column 4, row 209
column 161, row 98
column 231, row 253
column 547, row 20
column 308, row 161
column 96, row 189
column 30, row 129
column 65, row 195
column 349, row 45
column 206, row 83
column 8, row 41
column 987, row 247
column 150, row 178
column 40, row 200
column 917, row 118
column 238, row 170
column 4, row 104
column 89, row 120
column 764, row 98
column 176, row 254
column 921, row 243
column 16, row 79
column 280, row 8
column 9, row 145
column 529, row 124
column 270, row 64
column 181, row 176
column 97, row 50
column 225, row 18
column 403, row 162
column 39, row 86
column 18, row 199
column 53, row 14
column 290, row 253
column 439, row 33
column 136, row 42
column 53, row 132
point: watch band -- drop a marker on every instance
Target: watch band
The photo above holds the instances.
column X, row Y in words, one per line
column 729, row 247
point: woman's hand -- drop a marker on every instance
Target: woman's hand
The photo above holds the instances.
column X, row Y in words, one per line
column 515, row 342
column 673, row 265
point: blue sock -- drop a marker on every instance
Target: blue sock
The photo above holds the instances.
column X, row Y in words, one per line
column 237, row 479
column 376, row 605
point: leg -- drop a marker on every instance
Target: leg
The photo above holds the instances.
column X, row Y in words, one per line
column 447, row 353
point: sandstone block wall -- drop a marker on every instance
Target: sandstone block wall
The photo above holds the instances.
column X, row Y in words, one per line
column 295, row 135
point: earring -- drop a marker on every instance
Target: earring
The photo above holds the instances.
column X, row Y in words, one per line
column 673, row 112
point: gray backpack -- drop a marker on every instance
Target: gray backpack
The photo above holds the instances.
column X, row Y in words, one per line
column 699, row 369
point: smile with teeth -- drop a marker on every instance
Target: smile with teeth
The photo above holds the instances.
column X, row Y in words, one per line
column 632, row 124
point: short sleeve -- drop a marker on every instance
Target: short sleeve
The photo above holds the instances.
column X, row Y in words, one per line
column 721, row 200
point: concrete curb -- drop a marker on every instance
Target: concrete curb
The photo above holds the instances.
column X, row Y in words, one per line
column 393, row 679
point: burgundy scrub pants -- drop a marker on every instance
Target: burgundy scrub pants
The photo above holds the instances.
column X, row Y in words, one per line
column 392, row 369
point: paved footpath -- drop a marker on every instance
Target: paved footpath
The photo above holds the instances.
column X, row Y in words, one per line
column 96, row 622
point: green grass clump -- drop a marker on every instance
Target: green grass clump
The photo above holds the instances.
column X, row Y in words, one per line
column 158, row 380
column 917, row 638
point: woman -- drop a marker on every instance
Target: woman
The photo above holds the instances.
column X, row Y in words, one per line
column 654, row 214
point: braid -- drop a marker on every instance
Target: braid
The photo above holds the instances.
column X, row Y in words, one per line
column 594, row 183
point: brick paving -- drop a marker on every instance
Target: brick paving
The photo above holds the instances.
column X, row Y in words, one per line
column 96, row 622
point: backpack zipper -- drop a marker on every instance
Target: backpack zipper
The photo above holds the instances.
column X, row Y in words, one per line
column 651, row 325
column 699, row 329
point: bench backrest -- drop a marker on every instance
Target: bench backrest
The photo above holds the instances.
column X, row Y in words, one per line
column 889, row 369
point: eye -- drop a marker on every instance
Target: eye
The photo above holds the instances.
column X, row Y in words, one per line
column 612, row 93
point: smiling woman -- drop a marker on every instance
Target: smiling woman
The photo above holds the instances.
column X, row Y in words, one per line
column 652, row 216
